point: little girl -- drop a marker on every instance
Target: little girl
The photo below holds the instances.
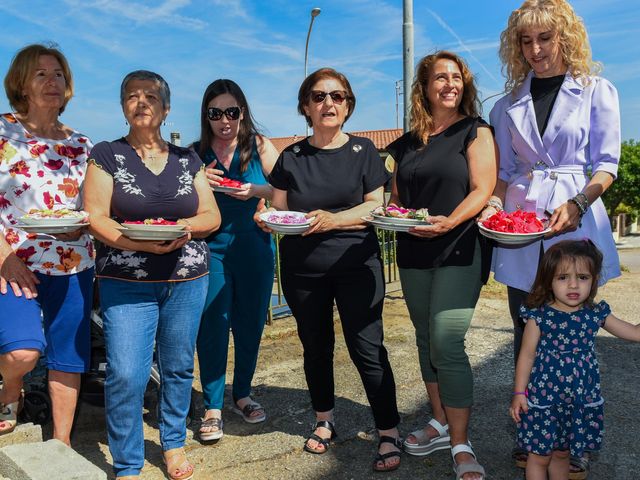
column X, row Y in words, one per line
column 556, row 400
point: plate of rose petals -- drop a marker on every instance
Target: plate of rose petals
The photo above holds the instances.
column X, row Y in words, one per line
column 286, row 222
column 228, row 185
column 513, row 228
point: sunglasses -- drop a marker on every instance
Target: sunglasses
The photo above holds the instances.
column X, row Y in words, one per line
column 232, row 113
column 338, row 96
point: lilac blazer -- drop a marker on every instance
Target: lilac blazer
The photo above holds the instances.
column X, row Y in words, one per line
column 582, row 137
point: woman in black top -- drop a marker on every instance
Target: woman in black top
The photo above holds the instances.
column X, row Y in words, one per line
column 447, row 164
column 336, row 179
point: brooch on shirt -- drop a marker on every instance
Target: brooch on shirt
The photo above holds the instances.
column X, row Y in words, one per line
column 356, row 148
column 296, row 149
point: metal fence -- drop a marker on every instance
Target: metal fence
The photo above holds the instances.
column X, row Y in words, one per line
column 387, row 240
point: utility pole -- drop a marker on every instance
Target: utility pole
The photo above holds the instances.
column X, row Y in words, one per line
column 407, row 59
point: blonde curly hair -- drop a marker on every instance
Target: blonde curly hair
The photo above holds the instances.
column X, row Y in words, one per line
column 421, row 116
column 555, row 15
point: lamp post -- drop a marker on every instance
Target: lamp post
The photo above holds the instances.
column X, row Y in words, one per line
column 398, row 93
column 314, row 13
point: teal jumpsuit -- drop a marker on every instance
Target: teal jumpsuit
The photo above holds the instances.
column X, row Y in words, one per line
column 240, row 283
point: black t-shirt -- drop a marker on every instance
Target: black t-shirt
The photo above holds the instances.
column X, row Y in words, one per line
column 436, row 177
column 333, row 180
column 543, row 93
column 139, row 194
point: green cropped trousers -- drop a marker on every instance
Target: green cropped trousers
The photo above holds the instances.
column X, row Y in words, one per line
column 441, row 302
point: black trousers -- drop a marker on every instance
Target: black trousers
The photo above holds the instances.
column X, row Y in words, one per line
column 359, row 296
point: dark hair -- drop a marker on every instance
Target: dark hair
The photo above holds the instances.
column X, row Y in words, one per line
column 247, row 131
column 22, row 67
column 165, row 93
column 557, row 255
column 304, row 94
column 421, row 115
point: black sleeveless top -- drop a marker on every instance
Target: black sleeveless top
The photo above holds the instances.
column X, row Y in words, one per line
column 436, row 176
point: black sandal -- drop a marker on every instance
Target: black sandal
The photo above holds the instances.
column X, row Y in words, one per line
column 381, row 457
column 321, row 441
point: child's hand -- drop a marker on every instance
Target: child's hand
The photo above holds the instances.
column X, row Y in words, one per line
column 518, row 404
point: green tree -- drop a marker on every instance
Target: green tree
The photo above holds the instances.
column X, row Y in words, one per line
column 626, row 188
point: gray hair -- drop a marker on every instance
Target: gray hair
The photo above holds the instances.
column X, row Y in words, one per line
column 165, row 93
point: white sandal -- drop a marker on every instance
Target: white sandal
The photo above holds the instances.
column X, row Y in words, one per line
column 461, row 469
column 424, row 444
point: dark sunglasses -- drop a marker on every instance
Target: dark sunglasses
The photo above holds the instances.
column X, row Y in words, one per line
column 232, row 113
column 338, row 96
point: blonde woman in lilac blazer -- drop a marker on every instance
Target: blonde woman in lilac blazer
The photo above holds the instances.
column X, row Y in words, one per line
column 558, row 132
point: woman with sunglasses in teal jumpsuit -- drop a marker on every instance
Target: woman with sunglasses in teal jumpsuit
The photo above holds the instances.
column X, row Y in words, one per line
column 242, row 256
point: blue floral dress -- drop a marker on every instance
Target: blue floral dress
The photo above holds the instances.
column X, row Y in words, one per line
column 565, row 404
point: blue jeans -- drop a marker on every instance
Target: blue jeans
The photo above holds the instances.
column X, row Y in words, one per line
column 136, row 315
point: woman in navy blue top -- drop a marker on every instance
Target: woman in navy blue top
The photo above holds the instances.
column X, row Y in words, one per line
column 151, row 292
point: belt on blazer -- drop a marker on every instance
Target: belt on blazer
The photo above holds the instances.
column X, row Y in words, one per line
column 539, row 173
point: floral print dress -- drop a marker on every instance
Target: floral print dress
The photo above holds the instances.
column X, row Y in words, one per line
column 40, row 173
column 565, row 403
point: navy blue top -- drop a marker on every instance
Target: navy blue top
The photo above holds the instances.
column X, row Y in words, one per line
column 138, row 194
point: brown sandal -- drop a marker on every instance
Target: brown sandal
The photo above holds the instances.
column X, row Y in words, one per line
column 178, row 467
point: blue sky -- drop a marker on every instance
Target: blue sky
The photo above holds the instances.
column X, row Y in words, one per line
column 260, row 45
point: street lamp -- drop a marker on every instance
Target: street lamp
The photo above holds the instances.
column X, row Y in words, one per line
column 314, row 13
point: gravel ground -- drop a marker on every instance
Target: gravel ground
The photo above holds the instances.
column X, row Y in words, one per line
column 273, row 450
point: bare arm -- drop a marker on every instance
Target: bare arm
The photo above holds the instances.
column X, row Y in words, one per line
column 394, row 199
column 524, row 365
column 14, row 273
column 268, row 156
column 566, row 218
column 622, row 329
column 482, row 156
column 207, row 217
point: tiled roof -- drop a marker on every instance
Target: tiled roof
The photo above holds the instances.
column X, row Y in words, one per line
column 380, row 138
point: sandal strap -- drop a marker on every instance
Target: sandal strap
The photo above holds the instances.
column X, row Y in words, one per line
column 443, row 430
column 396, row 442
column 462, row 447
column 319, row 439
column 212, row 422
column 328, row 425
column 381, row 457
column 249, row 408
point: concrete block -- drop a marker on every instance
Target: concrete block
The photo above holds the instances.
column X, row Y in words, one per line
column 24, row 433
column 51, row 460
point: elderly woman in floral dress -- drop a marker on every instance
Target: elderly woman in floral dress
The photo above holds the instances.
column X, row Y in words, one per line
column 44, row 280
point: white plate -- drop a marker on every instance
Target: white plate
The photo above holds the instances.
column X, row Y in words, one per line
column 143, row 227
column 392, row 227
column 150, row 235
column 398, row 221
column 223, row 189
column 512, row 238
column 56, row 228
column 67, row 220
column 286, row 228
